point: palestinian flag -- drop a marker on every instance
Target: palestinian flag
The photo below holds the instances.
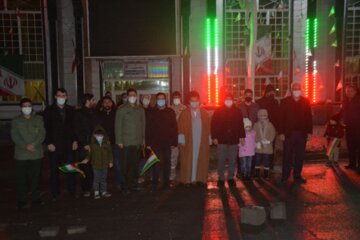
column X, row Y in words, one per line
column 71, row 168
column 331, row 146
column 150, row 161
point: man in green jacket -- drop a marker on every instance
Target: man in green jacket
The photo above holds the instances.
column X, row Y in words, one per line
column 130, row 134
column 28, row 134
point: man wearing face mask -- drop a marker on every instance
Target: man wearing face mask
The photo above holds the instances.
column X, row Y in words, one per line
column 107, row 119
column 85, row 122
column 28, row 134
column 129, row 136
column 178, row 108
column 295, row 129
column 161, row 136
column 60, row 140
column 249, row 109
column 227, row 131
column 194, row 142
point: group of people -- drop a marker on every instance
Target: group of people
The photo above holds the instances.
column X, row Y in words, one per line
column 101, row 135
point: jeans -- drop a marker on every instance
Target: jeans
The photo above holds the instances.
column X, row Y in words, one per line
column 117, row 168
column 27, row 173
column 56, row 159
column 246, row 164
column 262, row 159
column 87, row 182
column 294, row 146
column 225, row 151
column 164, row 155
column 129, row 164
column 100, row 176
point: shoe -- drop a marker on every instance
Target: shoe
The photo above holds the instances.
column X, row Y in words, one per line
column 239, row 176
column 105, row 194
column 37, row 203
column 96, row 195
column 336, row 163
column 231, row 183
column 86, row 194
column 300, row 180
column 328, row 164
column 220, row 183
column 248, row 177
column 266, row 173
column 350, row 167
column 125, row 192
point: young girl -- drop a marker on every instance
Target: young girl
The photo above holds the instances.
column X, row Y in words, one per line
column 334, row 132
column 101, row 159
column 247, row 150
column 265, row 135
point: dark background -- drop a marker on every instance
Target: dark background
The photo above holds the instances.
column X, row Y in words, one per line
column 130, row 28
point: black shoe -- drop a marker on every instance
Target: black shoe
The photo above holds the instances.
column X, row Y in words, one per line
column 220, row 183
column 284, row 180
column 37, row 203
column 350, row 167
column 248, row 178
column 231, row 183
column 238, row 175
column 300, row 180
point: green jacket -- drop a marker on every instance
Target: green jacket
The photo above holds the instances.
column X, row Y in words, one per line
column 100, row 155
column 28, row 131
column 130, row 125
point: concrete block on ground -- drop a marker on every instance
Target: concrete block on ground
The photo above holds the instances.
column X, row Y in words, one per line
column 51, row 231
column 253, row 215
column 278, row 211
column 76, row 229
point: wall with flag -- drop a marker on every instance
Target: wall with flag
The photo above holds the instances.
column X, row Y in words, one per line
column 11, row 76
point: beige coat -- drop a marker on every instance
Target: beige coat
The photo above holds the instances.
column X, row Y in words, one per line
column 269, row 135
column 186, row 150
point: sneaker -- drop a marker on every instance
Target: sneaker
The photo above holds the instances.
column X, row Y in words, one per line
column 105, row 194
column 231, row 183
column 220, row 183
column 86, row 194
column 96, row 195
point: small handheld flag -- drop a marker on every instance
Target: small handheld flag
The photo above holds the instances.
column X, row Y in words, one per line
column 150, row 161
column 71, row 168
column 331, row 146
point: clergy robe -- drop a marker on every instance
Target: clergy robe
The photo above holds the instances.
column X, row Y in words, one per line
column 187, row 151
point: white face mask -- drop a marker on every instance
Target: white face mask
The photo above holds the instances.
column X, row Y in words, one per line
column 60, row 100
column 26, row 110
column 146, row 101
column 228, row 103
column 99, row 138
column 176, row 101
column 132, row 99
column 296, row 93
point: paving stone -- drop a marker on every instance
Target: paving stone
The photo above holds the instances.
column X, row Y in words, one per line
column 278, row 211
column 253, row 215
column 76, row 229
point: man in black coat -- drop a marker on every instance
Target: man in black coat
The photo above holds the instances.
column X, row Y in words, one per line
column 351, row 115
column 107, row 115
column 161, row 136
column 227, row 131
column 295, row 129
column 60, row 140
column 85, row 122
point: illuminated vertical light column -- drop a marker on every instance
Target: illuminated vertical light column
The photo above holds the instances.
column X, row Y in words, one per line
column 307, row 54
column 208, row 49
column 216, row 58
column 315, row 72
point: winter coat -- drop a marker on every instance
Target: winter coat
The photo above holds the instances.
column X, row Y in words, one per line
column 28, row 131
column 107, row 121
column 264, row 137
column 350, row 112
column 59, row 131
column 248, row 149
column 227, row 125
column 100, row 156
column 273, row 108
column 85, row 122
column 130, row 125
column 249, row 111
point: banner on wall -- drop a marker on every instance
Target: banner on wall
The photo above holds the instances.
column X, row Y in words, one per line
column 11, row 76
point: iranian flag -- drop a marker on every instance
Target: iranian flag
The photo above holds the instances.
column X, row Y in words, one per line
column 11, row 76
column 72, row 168
column 334, row 143
column 150, row 161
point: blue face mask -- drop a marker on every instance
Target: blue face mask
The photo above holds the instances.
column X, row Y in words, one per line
column 161, row 102
column 194, row 104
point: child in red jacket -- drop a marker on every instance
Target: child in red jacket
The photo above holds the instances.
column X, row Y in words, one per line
column 334, row 132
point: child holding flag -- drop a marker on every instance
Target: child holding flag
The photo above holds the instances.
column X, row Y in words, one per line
column 101, row 158
column 334, row 132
